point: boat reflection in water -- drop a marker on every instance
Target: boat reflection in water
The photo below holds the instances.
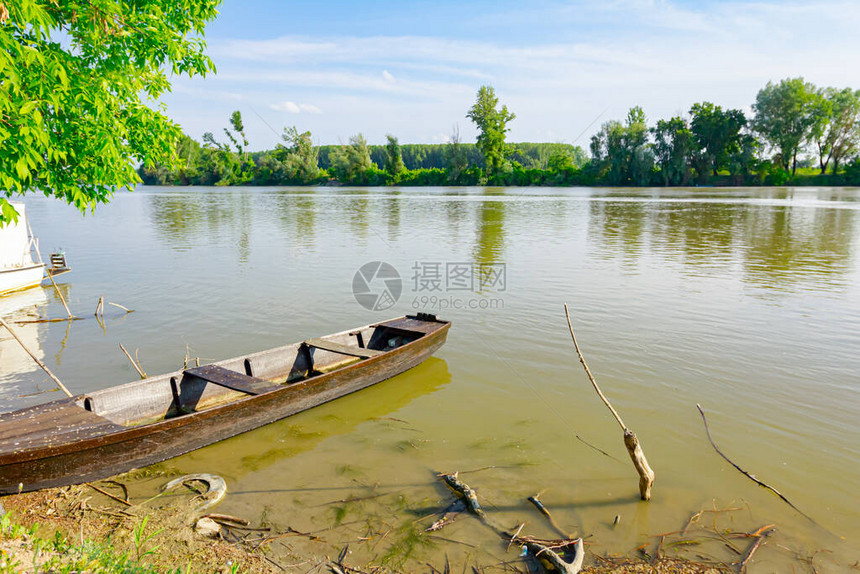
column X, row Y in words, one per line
column 14, row 361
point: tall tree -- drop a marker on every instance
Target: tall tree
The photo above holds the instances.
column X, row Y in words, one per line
column 393, row 156
column 621, row 153
column 673, row 147
column 352, row 161
column 492, row 126
column 784, row 115
column 716, row 132
column 836, row 125
column 75, row 81
column 300, row 157
column 456, row 158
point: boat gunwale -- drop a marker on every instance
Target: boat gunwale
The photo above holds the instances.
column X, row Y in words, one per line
column 135, row 432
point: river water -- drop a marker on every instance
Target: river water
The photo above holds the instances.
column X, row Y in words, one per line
column 746, row 301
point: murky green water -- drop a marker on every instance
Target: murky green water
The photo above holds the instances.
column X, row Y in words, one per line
column 745, row 301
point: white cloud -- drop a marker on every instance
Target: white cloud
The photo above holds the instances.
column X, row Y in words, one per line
column 295, row 108
column 387, row 76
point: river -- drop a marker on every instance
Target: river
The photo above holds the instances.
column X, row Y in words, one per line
column 746, row 301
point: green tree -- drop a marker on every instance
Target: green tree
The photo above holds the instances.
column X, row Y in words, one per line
column 836, row 125
column 456, row 157
column 234, row 167
column 716, row 132
column 621, row 153
column 393, row 156
column 492, row 126
column 75, row 81
column 673, row 147
column 351, row 162
column 784, row 114
column 300, row 157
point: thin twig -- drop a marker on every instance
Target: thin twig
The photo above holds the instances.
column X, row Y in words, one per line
column 588, row 372
column 32, row 356
column 601, row 451
column 745, row 473
column 126, row 309
column 108, row 494
column 100, row 307
column 136, row 366
column 59, row 293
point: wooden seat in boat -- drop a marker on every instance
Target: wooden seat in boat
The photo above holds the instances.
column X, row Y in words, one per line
column 232, row 380
column 359, row 352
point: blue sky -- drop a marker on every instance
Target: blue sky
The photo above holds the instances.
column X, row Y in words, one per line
column 412, row 68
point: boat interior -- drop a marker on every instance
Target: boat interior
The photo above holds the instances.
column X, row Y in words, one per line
column 199, row 388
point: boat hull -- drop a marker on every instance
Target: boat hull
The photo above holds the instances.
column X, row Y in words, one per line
column 127, row 448
column 20, row 278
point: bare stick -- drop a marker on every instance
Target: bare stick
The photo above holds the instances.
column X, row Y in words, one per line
column 126, row 309
column 136, row 366
column 545, row 511
column 60, row 294
column 759, row 535
column 108, row 494
column 32, row 356
column 100, row 308
column 631, row 442
column 588, row 372
column 745, row 473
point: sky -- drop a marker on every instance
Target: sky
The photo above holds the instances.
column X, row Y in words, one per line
column 412, row 68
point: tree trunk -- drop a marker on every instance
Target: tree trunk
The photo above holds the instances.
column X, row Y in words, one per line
column 794, row 163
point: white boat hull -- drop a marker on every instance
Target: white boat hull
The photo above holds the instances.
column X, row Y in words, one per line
column 19, row 278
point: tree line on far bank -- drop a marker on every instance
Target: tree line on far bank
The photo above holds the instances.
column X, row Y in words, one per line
column 797, row 134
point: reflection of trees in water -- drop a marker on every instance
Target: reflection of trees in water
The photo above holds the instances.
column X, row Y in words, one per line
column 775, row 245
column 788, row 244
column 391, row 213
column 182, row 220
column 621, row 225
column 489, row 232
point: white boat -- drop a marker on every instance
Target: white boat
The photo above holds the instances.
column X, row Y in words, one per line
column 18, row 267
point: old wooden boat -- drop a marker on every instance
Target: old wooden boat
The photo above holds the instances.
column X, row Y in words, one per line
column 102, row 433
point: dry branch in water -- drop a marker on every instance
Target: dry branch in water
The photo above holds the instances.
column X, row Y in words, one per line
column 60, row 295
column 136, row 364
column 539, row 550
column 32, row 356
column 745, row 473
column 631, row 442
column 126, row 309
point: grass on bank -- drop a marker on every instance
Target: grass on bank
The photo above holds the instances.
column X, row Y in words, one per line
column 22, row 550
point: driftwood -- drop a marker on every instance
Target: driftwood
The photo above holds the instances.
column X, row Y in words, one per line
column 540, row 550
column 631, row 442
column 32, row 356
column 745, row 473
column 545, row 511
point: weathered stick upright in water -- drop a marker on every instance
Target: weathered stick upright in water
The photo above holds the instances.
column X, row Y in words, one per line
column 646, row 475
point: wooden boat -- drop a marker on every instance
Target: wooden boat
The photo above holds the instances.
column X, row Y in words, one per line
column 103, row 433
column 19, row 269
